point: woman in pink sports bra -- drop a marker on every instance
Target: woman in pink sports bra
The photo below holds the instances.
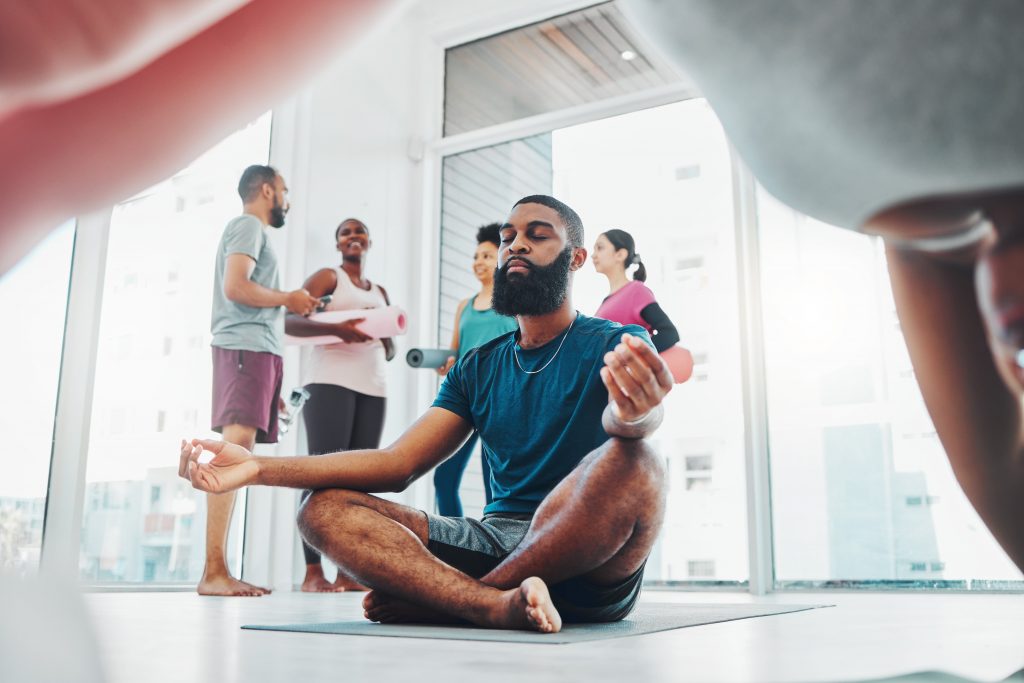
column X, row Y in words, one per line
column 630, row 301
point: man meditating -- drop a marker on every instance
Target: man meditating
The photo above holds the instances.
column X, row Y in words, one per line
column 563, row 406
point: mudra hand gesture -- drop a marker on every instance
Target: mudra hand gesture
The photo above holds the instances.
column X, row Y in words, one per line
column 230, row 468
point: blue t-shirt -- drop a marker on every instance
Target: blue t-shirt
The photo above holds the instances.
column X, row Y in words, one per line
column 535, row 428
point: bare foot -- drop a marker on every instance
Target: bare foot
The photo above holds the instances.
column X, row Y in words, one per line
column 347, row 583
column 530, row 607
column 228, row 585
column 527, row 607
column 318, row 584
column 388, row 609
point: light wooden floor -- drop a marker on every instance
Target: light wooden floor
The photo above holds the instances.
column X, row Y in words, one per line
column 182, row 637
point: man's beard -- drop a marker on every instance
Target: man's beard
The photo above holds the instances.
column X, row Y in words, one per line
column 277, row 216
column 539, row 291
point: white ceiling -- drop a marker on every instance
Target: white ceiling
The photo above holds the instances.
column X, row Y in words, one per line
column 566, row 61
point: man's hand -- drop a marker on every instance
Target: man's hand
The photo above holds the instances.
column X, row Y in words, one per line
column 636, row 377
column 300, row 302
column 347, row 331
column 231, row 467
column 448, row 364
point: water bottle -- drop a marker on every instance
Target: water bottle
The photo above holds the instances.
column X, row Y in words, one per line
column 295, row 401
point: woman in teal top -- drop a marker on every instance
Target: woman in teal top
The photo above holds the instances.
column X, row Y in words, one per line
column 476, row 323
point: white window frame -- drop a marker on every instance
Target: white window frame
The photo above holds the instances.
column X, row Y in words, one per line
column 66, row 489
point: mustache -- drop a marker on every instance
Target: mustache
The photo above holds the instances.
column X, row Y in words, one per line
column 520, row 259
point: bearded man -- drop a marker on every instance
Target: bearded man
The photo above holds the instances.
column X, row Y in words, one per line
column 563, row 406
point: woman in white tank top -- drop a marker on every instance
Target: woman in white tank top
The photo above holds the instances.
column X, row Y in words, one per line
column 346, row 381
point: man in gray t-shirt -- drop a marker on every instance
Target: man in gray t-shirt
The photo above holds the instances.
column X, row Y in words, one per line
column 248, row 329
column 237, row 325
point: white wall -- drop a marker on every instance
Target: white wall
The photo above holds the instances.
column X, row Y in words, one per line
column 362, row 118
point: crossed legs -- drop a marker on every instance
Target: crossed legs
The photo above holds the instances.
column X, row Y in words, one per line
column 600, row 522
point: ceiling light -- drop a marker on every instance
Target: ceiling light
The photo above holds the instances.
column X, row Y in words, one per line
column 628, row 55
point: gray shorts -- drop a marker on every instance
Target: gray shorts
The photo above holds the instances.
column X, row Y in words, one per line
column 476, row 546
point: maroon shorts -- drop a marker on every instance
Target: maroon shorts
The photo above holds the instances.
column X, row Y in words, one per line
column 246, row 386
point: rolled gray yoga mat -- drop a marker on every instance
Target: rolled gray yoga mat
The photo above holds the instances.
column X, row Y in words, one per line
column 428, row 358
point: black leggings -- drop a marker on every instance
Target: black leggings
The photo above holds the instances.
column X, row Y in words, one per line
column 339, row 419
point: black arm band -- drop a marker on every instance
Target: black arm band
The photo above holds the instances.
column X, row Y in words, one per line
column 665, row 336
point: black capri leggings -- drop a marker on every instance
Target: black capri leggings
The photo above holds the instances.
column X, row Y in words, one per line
column 339, row 419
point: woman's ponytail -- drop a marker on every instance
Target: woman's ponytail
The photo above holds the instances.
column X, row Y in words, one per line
column 641, row 272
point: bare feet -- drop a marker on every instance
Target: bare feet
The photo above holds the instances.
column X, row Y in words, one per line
column 388, row 609
column 530, row 607
column 315, row 582
column 224, row 584
column 346, row 583
column 318, row 584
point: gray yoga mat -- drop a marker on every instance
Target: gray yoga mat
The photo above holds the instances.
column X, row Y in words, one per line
column 648, row 618
column 428, row 358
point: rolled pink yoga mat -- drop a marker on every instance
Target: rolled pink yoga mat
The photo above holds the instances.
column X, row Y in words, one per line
column 680, row 363
column 379, row 323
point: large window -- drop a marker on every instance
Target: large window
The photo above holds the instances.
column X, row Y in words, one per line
column 141, row 523
column 861, row 487
column 33, row 298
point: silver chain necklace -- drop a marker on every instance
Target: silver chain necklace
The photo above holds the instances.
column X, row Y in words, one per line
column 564, row 337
